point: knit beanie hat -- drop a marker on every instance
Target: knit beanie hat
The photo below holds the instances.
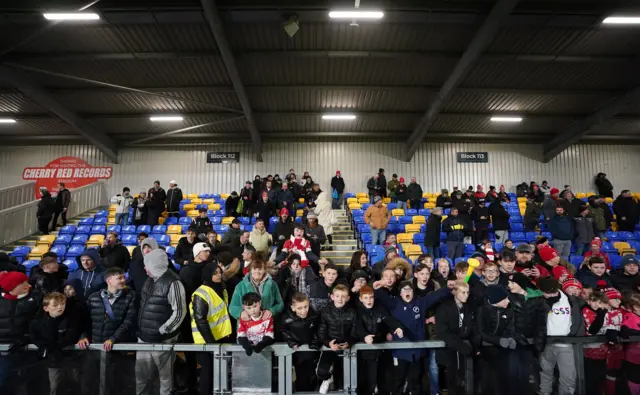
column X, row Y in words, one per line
column 10, row 280
column 548, row 285
column 496, row 293
column 571, row 282
column 559, row 271
column 611, row 292
column 547, row 253
column 523, row 281
column 596, row 242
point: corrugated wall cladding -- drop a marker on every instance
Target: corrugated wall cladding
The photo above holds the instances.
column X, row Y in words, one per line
column 433, row 164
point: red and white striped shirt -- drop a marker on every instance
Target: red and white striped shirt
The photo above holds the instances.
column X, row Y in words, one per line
column 256, row 329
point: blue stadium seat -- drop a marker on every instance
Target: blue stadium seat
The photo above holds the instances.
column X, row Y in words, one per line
column 443, row 236
column 63, row 240
column 366, row 206
column 75, row 250
column 547, row 235
column 497, row 247
column 98, row 229
column 391, row 206
column 298, row 220
column 102, row 214
column 515, row 220
column 576, row 260
column 460, row 259
column 423, row 228
column 249, row 228
column 171, row 250
column 363, row 228
column 182, row 213
column 244, row 220
column 184, row 221
column 79, row 240
column 171, row 221
column 30, row 264
column 397, row 228
column 424, row 212
column 114, row 228
column 358, row 220
column 216, row 220
column 185, row 201
column 202, row 206
column 531, row 236
column 59, row 250
column 186, row 227
column 607, row 247
column 163, row 240
column 469, row 249
column 357, row 212
column 418, row 238
column 636, row 234
column 366, row 238
column 446, row 211
column 159, row 229
column 517, row 226
column 129, row 239
column 71, row 265
column 410, row 212
column 405, row 220
column 21, row 251
column 612, row 236
column 626, row 236
column 129, row 229
column 220, row 229
column 68, row 230
column 517, row 237
column 615, row 261
column 144, row 228
column 86, row 221
column 83, row 230
column 100, row 221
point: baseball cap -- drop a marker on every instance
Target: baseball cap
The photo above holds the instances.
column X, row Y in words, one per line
column 199, row 247
column 236, row 221
column 377, row 199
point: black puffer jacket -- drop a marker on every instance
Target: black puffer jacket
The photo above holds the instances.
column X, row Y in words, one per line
column 46, row 206
column 337, row 324
column 46, row 283
column 174, row 196
column 298, row 331
column 495, row 323
column 374, row 321
column 116, row 255
column 121, row 328
column 15, row 317
column 530, row 319
column 155, row 309
column 51, row 335
column 10, row 264
column 184, row 250
column 449, row 330
column 444, row 201
column 499, row 217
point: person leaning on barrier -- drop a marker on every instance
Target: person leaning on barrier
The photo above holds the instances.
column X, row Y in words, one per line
column 256, row 331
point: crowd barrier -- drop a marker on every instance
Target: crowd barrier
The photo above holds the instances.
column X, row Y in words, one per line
column 16, row 195
column 23, row 221
column 228, row 379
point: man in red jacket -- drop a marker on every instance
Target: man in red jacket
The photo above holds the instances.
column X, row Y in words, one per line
column 525, row 265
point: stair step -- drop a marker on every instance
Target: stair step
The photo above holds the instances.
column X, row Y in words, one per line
column 341, row 247
column 344, row 241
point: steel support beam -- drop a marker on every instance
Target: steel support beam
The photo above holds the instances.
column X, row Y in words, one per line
column 215, row 24
column 580, row 128
column 484, row 36
column 44, row 99
column 178, row 131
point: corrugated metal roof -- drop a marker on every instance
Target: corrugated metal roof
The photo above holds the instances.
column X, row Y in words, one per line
column 116, row 126
column 39, row 127
column 514, row 102
column 17, row 103
column 308, row 123
column 481, row 124
column 270, row 70
column 534, row 40
column 617, row 126
column 319, row 99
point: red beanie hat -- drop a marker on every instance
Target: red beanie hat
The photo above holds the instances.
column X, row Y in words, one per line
column 596, row 242
column 559, row 271
column 10, row 280
column 284, row 211
column 547, row 253
column 553, row 191
column 479, row 187
column 401, row 180
column 338, row 172
column 571, row 282
column 611, row 292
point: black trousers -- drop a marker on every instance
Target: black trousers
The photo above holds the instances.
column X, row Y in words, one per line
column 595, row 375
column 43, row 225
column 479, row 235
column 205, row 360
column 305, row 365
column 415, row 204
column 323, row 370
column 367, row 374
column 153, row 217
column 410, row 372
column 62, row 214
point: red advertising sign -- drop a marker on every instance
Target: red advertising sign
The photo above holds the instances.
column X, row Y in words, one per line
column 72, row 171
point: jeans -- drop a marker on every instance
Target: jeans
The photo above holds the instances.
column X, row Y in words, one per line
column 378, row 236
column 124, row 217
column 433, row 372
column 336, row 203
column 502, row 236
column 402, row 204
column 455, row 249
column 434, row 251
column 582, row 248
column 561, row 355
column 562, row 246
column 409, row 372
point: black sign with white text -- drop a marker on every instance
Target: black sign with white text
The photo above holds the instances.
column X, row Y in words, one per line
column 472, row 157
column 223, row 157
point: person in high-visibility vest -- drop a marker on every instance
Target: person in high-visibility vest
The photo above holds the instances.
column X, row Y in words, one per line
column 210, row 322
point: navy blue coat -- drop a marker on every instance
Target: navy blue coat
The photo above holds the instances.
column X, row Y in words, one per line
column 562, row 227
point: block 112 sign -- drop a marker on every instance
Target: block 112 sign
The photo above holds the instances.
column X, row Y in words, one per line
column 223, row 157
column 472, row 157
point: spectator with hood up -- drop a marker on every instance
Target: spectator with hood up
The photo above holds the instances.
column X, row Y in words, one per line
column 600, row 213
column 605, row 188
column 231, row 205
column 174, row 196
column 89, row 277
column 626, row 210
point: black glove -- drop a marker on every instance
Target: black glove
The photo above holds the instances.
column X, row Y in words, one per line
column 244, row 342
column 248, row 350
column 258, row 347
column 16, row 346
column 521, row 340
column 612, row 336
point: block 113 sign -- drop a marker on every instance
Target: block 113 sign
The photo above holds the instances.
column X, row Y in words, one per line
column 472, row 157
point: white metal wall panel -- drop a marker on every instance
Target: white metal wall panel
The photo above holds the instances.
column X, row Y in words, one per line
column 434, row 164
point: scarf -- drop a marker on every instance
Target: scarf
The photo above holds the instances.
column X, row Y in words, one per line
column 105, row 294
column 553, row 300
column 8, row 296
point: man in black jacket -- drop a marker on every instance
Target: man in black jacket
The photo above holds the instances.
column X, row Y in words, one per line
column 298, row 328
column 174, row 196
column 626, row 210
column 285, row 199
column 337, row 184
column 500, row 221
column 46, row 208
column 108, row 326
column 414, row 193
column 113, row 253
column 455, row 228
column 63, row 199
column 156, row 201
column 382, row 184
column 202, row 224
column 444, row 200
column 432, row 236
column 283, row 229
column 481, row 221
column 246, row 195
column 605, row 188
column 184, row 249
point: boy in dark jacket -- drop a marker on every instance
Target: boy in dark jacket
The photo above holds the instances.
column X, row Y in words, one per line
column 594, row 271
column 531, row 215
column 454, row 325
column 500, row 221
column 481, row 221
column 372, row 325
column 47, row 278
column 184, row 249
column 55, row 327
column 411, row 312
column 202, row 224
column 455, row 227
column 336, row 331
column 113, row 253
column 298, row 328
column 432, row 236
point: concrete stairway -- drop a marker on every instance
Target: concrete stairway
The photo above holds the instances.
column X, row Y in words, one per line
column 31, row 240
column 344, row 244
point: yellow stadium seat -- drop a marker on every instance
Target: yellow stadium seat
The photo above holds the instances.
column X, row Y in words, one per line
column 299, row 213
column 192, row 213
column 301, row 200
column 226, row 220
column 411, row 249
column 405, row 238
column 419, row 219
column 174, row 229
column 412, row 228
column 349, row 200
column 113, row 207
column 363, row 200
column 355, row 206
column 96, row 239
column 214, row 207
column 38, row 251
column 430, row 205
column 362, row 195
column 522, row 199
column 46, row 240
column 224, row 196
column 189, row 207
column 426, row 195
column 397, row 212
column 112, row 221
column 175, row 239
column 192, row 196
column 624, row 248
column 386, row 200
column 161, row 220
column 581, row 195
column 112, row 215
column 196, row 201
column 208, row 201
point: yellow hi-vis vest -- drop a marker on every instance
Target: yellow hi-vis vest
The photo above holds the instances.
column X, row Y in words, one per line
column 217, row 316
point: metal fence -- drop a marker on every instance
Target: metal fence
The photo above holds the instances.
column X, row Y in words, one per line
column 16, row 195
column 23, row 221
column 227, row 380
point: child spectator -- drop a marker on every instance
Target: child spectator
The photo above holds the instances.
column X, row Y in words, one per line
column 336, row 331
column 297, row 244
column 427, row 260
column 572, row 287
column 612, row 325
column 401, row 268
column 461, row 270
column 564, row 319
column 255, row 333
column 443, row 274
column 491, row 276
column 256, row 281
column 595, row 354
column 625, row 279
column 507, row 266
column 594, row 271
column 320, row 291
column 390, row 253
column 412, row 314
column 293, row 278
column 55, row 327
column 454, row 325
column 388, row 283
column 298, row 328
column 508, row 246
column 631, row 327
column 487, row 249
column 372, row 325
column 596, row 250
column 47, row 278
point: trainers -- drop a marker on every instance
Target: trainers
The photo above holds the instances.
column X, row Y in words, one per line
column 324, row 387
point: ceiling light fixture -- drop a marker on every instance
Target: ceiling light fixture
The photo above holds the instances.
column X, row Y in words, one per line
column 622, row 20
column 356, row 14
column 71, row 16
column 339, row 117
column 166, row 118
column 7, row 120
column 506, row 119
